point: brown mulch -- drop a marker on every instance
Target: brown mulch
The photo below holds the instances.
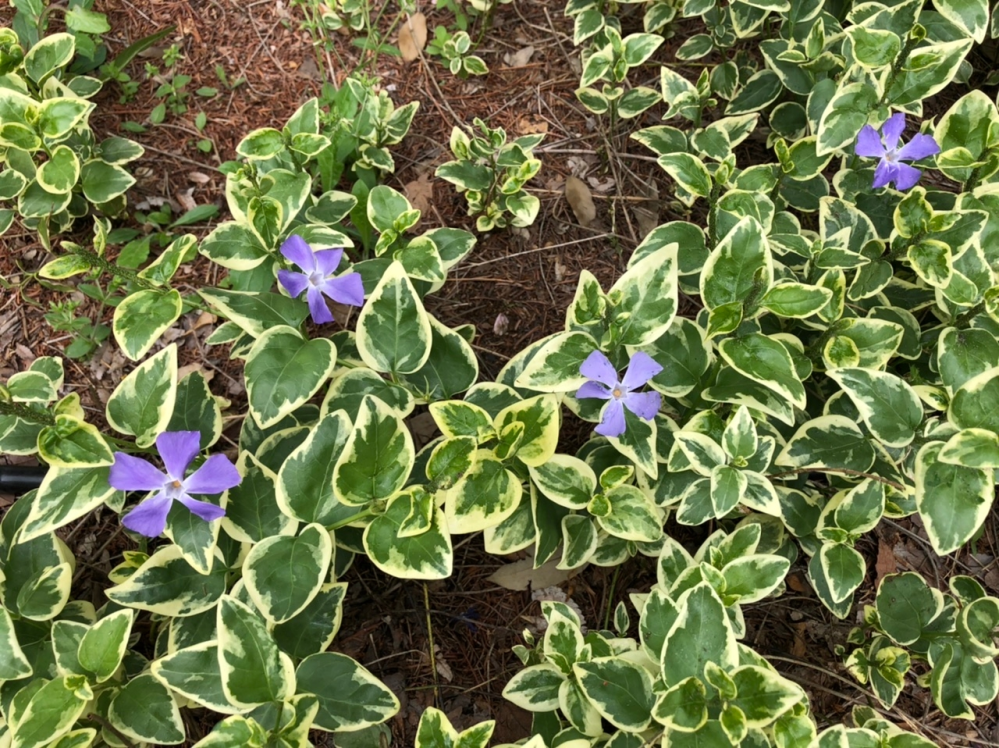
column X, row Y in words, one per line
column 514, row 287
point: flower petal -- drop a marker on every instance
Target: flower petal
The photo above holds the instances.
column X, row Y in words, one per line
column 641, row 369
column 612, row 421
column 296, row 250
column 643, row 404
column 327, row 260
column 599, row 368
column 906, row 176
column 215, row 475
column 892, row 130
column 919, row 147
column 178, row 448
column 135, row 474
column 149, row 518
column 884, row 174
column 294, row 283
column 321, row 313
column 347, row 289
column 869, row 143
column 202, row 509
column 593, row 389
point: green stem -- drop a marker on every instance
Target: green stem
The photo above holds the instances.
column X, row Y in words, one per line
column 430, row 643
column 896, row 68
column 965, row 319
column 350, row 520
column 610, row 598
column 844, row 471
column 25, row 413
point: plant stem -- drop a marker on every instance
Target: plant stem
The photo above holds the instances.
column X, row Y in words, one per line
column 350, row 520
column 844, row 471
column 22, row 411
column 610, row 598
column 430, row 644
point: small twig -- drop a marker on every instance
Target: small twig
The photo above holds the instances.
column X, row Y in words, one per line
column 845, row 471
column 430, row 642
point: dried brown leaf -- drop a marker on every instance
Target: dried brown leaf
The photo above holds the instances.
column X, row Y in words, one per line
column 580, row 200
column 520, row 58
column 413, row 36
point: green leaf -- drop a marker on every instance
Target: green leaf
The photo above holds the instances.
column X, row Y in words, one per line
column 393, row 328
column 305, row 481
column 13, row 664
column 632, row 515
column 796, row 300
column 486, row 495
column 283, row 574
column 684, row 356
column 104, row 645
column 377, row 457
column 566, row 480
column 45, row 593
column 145, row 711
column 700, row 634
column 60, row 172
column 428, row 555
column 196, row 409
column 688, row 172
column 828, row 442
column 104, row 182
column 889, row 406
column 141, row 405
column 646, row 296
column 193, row 672
column 450, row 369
column 844, row 116
column 541, row 419
column 313, row 629
column 739, row 266
column 71, row 443
column 166, row 584
column 142, row 318
column 907, row 606
column 255, row 313
column 254, row 671
column 555, row 367
column 953, row 501
column 48, row 55
column 842, row 568
column 976, row 403
column 350, row 697
column 236, row 247
column 620, row 690
column 535, row 688
column 283, row 370
column 51, row 712
column 975, row 448
column 261, row 144
column 754, row 577
column 766, row 361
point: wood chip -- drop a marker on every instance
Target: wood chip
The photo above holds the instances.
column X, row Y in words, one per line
column 413, row 36
column 580, row 200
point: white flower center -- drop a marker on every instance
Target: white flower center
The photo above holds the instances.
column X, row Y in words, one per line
column 316, row 279
column 891, row 157
column 173, row 488
column 617, row 392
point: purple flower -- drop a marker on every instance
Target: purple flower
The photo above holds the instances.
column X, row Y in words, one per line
column 317, row 278
column 178, row 449
column 621, row 394
column 886, row 147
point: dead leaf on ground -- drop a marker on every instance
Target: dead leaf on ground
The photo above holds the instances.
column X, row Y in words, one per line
column 520, row 58
column 647, row 211
column 531, row 124
column 580, row 200
column 886, row 563
column 799, row 648
column 521, row 574
column 413, row 36
column 420, row 192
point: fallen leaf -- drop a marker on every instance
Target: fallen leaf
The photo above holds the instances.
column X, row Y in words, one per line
column 187, row 202
column 420, row 192
column 559, row 270
column 520, row 58
column 580, row 200
column 647, row 211
column 521, row 574
column 502, row 324
column 531, row 124
column 795, row 583
column 799, row 648
column 413, row 36
column 886, row 563
column 199, row 177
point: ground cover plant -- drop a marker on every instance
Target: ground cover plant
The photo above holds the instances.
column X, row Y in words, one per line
column 805, row 353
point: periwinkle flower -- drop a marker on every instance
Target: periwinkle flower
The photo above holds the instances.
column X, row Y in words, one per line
column 178, row 449
column 887, row 148
column 317, row 278
column 604, row 384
